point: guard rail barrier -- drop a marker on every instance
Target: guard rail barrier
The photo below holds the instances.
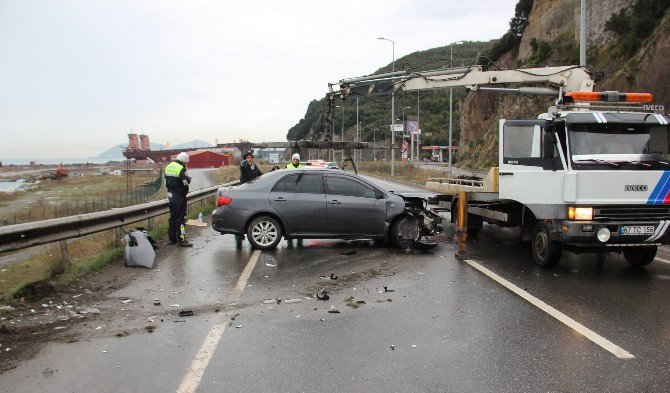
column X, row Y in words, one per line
column 20, row 236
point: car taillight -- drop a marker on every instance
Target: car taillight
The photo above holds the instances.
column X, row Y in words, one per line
column 220, row 201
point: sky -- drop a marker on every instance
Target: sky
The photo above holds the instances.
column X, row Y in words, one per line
column 77, row 76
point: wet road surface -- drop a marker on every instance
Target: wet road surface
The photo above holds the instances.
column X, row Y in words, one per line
column 441, row 326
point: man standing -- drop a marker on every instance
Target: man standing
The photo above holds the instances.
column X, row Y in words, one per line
column 248, row 170
column 177, row 181
column 295, row 162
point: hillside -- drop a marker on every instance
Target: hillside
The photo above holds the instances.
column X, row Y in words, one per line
column 626, row 44
column 374, row 113
column 627, row 41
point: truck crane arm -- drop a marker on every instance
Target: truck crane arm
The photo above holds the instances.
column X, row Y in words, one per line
column 566, row 78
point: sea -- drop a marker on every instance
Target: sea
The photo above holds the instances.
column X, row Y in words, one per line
column 56, row 161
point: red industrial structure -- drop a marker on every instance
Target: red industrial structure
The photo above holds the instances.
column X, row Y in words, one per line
column 139, row 148
column 208, row 159
column 144, row 142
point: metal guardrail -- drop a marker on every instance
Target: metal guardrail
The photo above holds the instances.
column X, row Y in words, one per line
column 20, row 236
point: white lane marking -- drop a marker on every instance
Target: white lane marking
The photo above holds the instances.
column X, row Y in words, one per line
column 578, row 327
column 662, row 260
column 194, row 374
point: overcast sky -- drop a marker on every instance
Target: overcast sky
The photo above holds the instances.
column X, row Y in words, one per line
column 77, row 76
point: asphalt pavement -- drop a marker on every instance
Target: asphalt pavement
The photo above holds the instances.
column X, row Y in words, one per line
column 419, row 322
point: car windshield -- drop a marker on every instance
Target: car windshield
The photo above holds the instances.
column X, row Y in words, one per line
column 611, row 142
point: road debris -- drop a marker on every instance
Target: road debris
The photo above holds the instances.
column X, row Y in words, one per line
column 232, row 317
column 334, row 311
column 392, row 347
column 271, row 301
column 126, row 301
column 331, row 277
column 413, row 346
column 185, row 313
column 157, row 303
column 291, row 301
column 353, row 303
column 386, row 289
column 348, row 252
column 238, row 326
column 150, row 328
column 323, row 295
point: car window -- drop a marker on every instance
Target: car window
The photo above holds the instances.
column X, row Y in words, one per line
column 336, row 185
column 300, row 183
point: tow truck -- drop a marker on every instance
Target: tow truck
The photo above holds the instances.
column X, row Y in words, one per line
column 591, row 174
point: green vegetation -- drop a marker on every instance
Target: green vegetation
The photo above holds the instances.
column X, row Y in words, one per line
column 541, row 51
column 374, row 115
column 633, row 25
column 516, row 27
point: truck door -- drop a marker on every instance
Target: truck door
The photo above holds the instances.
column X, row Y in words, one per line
column 531, row 166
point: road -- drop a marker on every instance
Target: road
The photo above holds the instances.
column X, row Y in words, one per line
column 428, row 323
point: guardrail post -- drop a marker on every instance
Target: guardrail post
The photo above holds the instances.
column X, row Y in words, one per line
column 462, row 225
column 150, row 224
column 117, row 236
column 64, row 256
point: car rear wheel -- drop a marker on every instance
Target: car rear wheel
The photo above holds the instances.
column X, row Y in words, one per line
column 640, row 256
column 264, row 233
column 546, row 252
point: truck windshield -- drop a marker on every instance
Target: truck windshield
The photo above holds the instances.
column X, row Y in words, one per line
column 613, row 145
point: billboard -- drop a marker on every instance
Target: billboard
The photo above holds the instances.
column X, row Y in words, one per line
column 413, row 127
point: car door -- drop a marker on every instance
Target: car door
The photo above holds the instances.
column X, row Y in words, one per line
column 352, row 207
column 300, row 202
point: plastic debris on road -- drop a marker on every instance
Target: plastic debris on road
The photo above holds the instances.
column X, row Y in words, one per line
column 185, row 313
column 323, row 295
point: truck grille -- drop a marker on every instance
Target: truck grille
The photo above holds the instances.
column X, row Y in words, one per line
column 631, row 212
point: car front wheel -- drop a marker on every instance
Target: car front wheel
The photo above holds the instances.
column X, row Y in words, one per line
column 264, row 233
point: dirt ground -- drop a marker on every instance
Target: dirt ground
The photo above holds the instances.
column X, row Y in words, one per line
column 65, row 314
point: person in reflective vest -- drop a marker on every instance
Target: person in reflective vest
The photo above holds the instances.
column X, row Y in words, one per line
column 249, row 170
column 295, row 162
column 177, row 183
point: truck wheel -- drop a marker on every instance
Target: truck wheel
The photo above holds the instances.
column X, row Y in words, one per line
column 264, row 233
column 404, row 231
column 640, row 256
column 475, row 223
column 546, row 252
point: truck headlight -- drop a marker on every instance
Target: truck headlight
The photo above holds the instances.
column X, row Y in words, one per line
column 580, row 213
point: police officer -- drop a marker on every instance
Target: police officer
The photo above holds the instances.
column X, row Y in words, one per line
column 295, row 162
column 248, row 170
column 177, row 182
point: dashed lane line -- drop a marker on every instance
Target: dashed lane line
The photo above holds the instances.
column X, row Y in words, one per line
column 194, row 374
column 578, row 327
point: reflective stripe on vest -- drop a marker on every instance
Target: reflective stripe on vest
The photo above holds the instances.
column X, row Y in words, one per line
column 290, row 166
column 173, row 169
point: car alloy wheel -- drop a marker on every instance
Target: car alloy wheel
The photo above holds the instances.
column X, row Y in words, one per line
column 264, row 233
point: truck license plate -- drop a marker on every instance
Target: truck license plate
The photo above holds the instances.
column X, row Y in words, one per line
column 637, row 230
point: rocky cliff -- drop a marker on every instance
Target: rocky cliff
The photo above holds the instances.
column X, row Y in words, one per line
column 552, row 38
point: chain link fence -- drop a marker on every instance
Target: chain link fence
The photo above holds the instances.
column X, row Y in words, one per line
column 44, row 210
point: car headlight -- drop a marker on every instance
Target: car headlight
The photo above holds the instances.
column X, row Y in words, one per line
column 580, row 213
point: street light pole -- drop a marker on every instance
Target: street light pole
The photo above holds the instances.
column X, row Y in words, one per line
column 411, row 138
column 374, row 141
column 392, row 110
column 451, row 96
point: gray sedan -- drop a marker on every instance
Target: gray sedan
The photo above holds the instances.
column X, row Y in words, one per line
column 315, row 203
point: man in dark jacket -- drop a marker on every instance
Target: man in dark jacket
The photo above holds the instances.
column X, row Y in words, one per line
column 248, row 170
column 177, row 182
